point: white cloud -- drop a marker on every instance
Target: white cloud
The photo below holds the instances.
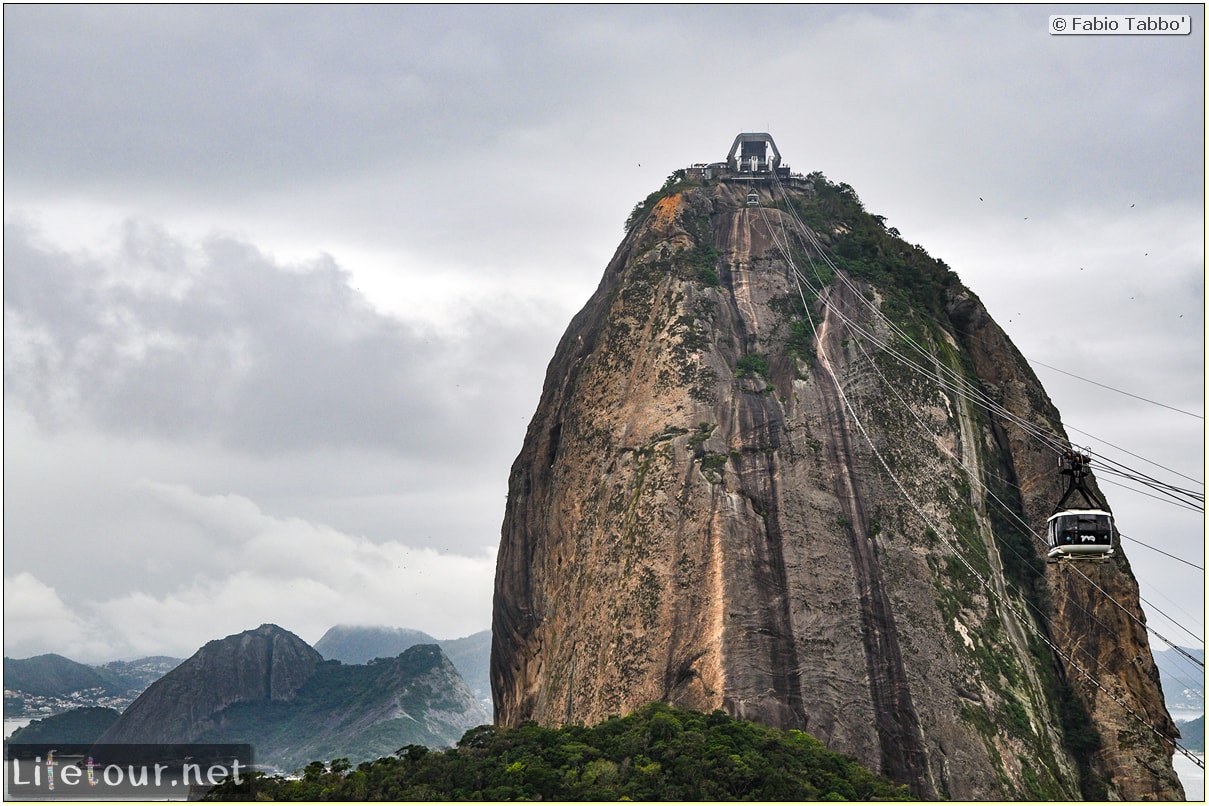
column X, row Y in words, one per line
column 301, row 575
column 37, row 621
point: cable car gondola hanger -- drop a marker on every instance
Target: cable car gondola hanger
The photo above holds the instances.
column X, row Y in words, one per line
column 1079, row 534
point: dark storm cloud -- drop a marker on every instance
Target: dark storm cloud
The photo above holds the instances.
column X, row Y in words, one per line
column 216, row 340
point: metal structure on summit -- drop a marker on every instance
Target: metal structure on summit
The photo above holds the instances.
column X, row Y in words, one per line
column 755, row 161
column 753, row 158
column 1079, row 533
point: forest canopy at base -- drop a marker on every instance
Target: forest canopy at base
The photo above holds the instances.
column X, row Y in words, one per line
column 656, row 753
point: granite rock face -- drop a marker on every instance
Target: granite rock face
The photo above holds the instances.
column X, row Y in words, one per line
column 731, row 497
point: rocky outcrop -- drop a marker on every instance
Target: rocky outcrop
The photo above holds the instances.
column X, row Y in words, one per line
column 267, row 664
column 731, row 496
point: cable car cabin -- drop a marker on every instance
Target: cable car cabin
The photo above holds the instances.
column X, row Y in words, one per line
column 753, row 199
column 1080, row 534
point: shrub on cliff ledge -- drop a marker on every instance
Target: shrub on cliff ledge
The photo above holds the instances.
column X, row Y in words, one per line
column 656, row 753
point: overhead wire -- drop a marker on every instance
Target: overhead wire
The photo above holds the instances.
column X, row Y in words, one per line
column 963, row 387
column 1141, row 477
column 1160, row 551
column 817, row 248
column 1131, row 453
column 1164, row 497
column 798, row 277
column 973, row 337
column 1114, row 389
column 962, row 383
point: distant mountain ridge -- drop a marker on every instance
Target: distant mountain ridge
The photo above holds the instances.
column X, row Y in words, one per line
column 269, row 688
column 471, row 655
column 360, row 644
column 47, row 684
column 51, row 675
column 51, row 684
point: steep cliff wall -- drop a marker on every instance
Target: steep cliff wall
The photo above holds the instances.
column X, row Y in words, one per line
column 730, row 498
column 1097, row 622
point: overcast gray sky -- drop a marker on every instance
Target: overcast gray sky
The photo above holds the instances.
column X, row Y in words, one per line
column 281, row 282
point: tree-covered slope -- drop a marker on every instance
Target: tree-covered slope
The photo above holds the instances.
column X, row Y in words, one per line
column 655, row 753
column 356, row 711
column 55, row 675
column 77, row 726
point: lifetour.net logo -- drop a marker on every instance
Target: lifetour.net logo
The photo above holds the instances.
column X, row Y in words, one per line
column 122, row 771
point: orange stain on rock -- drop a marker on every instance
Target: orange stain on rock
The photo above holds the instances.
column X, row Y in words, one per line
column 666, row 208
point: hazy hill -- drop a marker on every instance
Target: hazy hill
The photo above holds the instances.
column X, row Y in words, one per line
column 1192, row 735
column 136, row 675
column 359, row 712
column 472, row 656
column 54, row 684
column 266, row 664
column 54, row 676
column 268, row 688
column 360, row 643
